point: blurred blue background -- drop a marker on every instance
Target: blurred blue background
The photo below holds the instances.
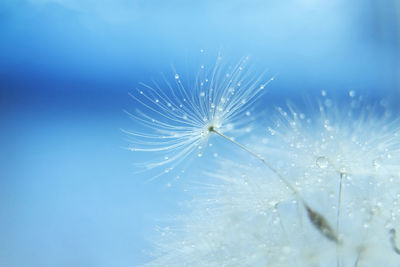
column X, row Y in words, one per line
column 68, row 192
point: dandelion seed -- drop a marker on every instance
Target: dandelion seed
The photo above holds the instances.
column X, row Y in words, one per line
column 393, row 240
column 231, row 94
column 321, row 224
column 176, row 118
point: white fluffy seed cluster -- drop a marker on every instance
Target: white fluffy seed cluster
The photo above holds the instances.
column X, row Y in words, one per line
column 344, row 161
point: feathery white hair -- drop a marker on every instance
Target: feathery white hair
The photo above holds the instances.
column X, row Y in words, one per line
column 177, row 119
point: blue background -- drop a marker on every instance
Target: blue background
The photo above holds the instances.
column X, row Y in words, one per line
column 69, row 195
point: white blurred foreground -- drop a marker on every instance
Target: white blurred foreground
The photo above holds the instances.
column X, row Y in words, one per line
column 343, row 159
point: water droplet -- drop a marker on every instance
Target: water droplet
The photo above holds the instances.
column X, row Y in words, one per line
column 377, row 163
column 157, row 100
column 201, row 50
column 323, row 93
column 176, row 76
column 271, row 131
column 166, row 157
column 200, row 154
column 262, row 87
column 202, row 94
column 215, row 155
column 322, row 162
column 248, row 113
column 201, row 66
column 352, row 93
column 141, row 92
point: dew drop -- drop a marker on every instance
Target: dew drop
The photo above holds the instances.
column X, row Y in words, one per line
column 323, row 93
column 261, row 87
column 201, row 66
column 157, row 100
column 352, row 93
column 377, row 163
column 271, row 131
column 176, row 76
column 215, row 155
column 322, row 162
column 141, row 92
column 202, row 94
column 200, row 154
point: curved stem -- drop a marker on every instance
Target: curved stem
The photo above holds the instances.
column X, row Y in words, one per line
column 281, row 177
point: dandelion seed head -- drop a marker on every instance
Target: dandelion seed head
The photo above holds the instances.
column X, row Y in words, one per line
column 176, row 117
column 250, row 219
